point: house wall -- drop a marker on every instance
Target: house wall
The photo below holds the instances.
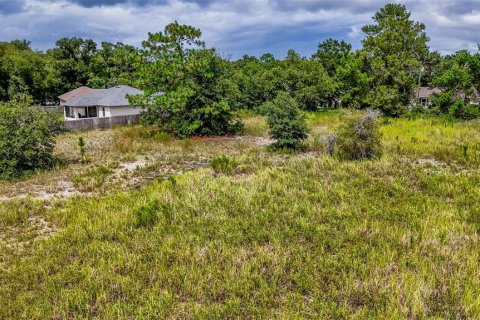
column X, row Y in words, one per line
column 123, row 111
column 100, row 123
column 109, row 112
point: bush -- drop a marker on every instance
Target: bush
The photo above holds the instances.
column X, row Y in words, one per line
column 286, row 122
column 27, row 138
column 359, row 137
column 471, row 112
column 461, row 111
column 223, row 164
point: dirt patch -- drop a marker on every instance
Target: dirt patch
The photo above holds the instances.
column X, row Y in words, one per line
column 255, row 141
column 19, row 237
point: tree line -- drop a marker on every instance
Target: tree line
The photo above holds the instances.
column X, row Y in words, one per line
column 383, row 74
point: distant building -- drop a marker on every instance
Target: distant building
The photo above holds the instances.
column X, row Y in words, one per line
column 425, row 93
column 85, row 102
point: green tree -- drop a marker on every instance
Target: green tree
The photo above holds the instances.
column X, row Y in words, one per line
column 26, row 138
column 22, row 71
column 286, row 122
column 332, row 54
column 395, row 47
column 195, row 82
column 354, row 81
column 114, row 64
column 71, row 62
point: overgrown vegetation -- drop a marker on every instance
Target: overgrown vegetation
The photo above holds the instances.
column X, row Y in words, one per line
column 359, row 137
column 26, row 138
column 287, row 123
column 165, row 222
column 190, row 94
column 378, row 234
column 223, row 164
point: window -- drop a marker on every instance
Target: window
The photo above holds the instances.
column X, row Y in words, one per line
column 424, row 102
column 91, row 112
column 69, row 112
column 103, row 111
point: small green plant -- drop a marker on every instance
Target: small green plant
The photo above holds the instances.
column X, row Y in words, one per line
column 81, row 145
column 465, row 150
column 287, row 123
column 223, row 164
column 147, row 215
column 359, row 137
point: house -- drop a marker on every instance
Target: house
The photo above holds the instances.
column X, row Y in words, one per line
column 85, row 102
column 424, row 94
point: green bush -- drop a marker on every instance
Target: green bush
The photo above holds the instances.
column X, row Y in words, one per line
column 223, row 164
column 287, row 123
column 471, row 112
column 359, row 137
column 27, row 138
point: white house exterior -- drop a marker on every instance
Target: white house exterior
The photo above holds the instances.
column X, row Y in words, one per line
column 85, row 102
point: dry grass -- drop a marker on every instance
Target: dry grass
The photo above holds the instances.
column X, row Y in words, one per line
column 266, row 235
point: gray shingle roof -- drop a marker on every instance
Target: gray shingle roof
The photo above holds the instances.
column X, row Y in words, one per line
column 426, row 92
column 115, row 96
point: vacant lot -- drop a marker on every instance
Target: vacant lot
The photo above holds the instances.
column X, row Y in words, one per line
column 149, row 229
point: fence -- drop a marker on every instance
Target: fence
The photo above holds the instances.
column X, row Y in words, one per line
column 100, row 123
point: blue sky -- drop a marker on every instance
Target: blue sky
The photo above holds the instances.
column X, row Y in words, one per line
column 234, row 27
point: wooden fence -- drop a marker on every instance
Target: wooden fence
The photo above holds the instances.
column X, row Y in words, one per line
column 100, row 123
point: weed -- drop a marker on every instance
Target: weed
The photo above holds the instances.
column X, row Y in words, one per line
column 147, row 215
column 223, row 164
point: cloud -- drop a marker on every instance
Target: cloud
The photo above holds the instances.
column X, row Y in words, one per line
column 8, row 7
column 235, row 26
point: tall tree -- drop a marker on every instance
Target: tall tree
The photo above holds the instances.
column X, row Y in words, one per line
column 195, row 83
column 396, row 47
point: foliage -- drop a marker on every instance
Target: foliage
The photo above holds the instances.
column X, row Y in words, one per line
column 26, row 138
column 332, row 54
column 223, row 164
column 194, row 82
column 286, row 122
column 395, row 238
column 147, row 215
column 359, row 137
column 395, row 47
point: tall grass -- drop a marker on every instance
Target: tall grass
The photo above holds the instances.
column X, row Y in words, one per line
column 298, row 237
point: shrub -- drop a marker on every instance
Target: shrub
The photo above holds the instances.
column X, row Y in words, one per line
column 27, row 138
column 359, row 137
column 287, row 123
column 83, row 156
column 223, row 164
column 471, row 112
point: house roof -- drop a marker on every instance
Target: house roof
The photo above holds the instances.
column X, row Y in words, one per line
column 76, row 93
column 426, row 92
column 115, row 96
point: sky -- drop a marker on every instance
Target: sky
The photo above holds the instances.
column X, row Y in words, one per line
column 234, row 27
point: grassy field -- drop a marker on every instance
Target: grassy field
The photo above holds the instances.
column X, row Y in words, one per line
column 153, row 228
